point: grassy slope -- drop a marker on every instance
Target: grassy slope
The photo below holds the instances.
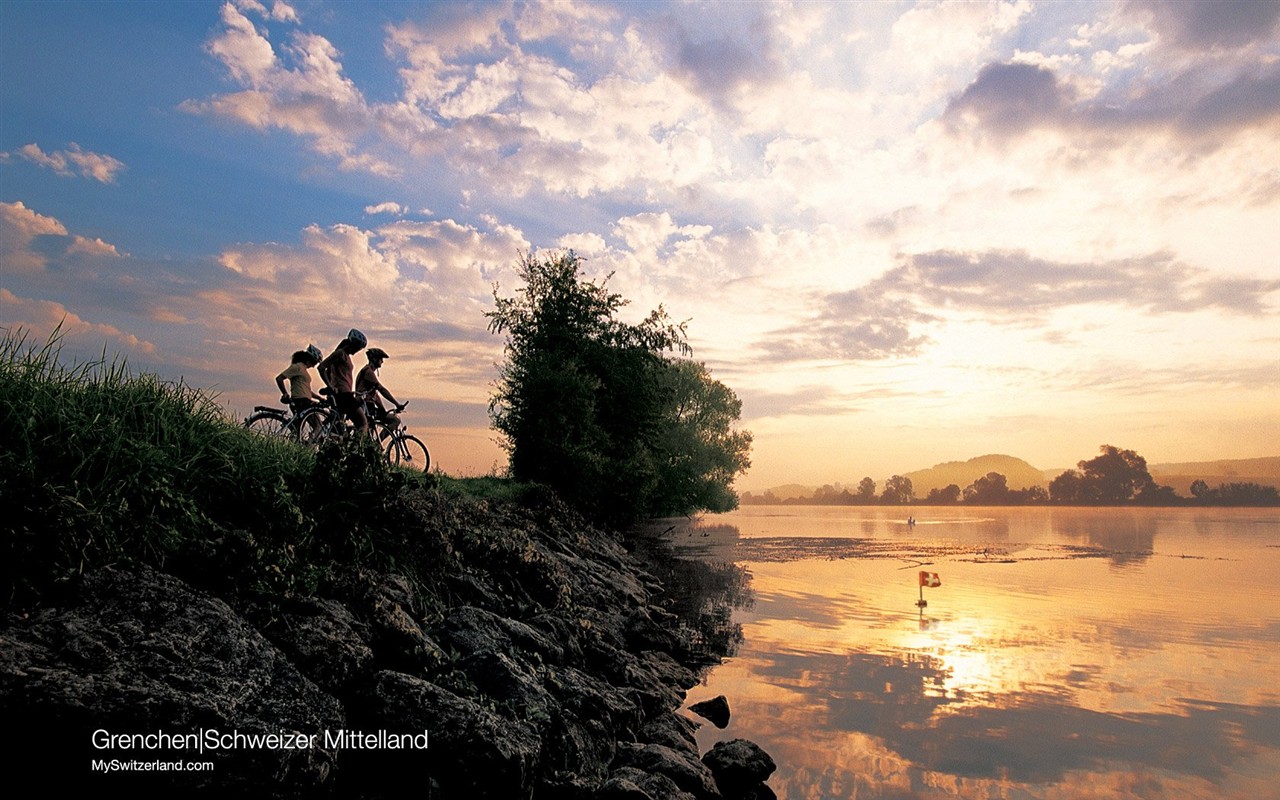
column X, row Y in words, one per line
column 102, row 466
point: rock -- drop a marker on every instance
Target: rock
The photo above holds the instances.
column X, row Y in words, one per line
column 671, row 730
column 668, row 670
column 688, row 773
column 471, row 630
column 386, row 603
column 740, row 767
column 508, row 683
column 324, row 640
column 642, row 632
column 136, row 650
column 620, row 788
column 629, row 783
column 473, row 752
column 715, row 711
column 648, row 687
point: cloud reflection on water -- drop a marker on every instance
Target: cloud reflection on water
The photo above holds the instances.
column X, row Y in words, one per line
column 1023, row 737
column 1090, row 663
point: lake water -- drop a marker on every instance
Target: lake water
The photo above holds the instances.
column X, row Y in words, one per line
column 1068, row 653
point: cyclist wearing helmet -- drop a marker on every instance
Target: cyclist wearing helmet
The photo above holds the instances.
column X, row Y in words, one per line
column 299, row 395
column 337, row 372
column 368, row 381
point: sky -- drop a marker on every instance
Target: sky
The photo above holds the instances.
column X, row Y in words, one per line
column 903, row 233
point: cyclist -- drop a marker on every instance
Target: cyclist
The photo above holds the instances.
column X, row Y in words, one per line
column 368, row 385
column 299, row 395
column 337, row 372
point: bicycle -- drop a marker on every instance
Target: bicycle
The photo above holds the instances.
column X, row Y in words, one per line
column 398, row 446
column 273, row 422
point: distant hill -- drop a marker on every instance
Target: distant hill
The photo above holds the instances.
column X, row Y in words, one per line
column 790, row 491
column 1264, row 471
column 1020, row 474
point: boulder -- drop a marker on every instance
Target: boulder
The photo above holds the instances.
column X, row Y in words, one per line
column 473, row 751
column 671, row 730
column 471, row 630
column 715, row 711
column 137, row 651
column 326, row 642
column 629, row 783
column 740, row 767
column 683, row 768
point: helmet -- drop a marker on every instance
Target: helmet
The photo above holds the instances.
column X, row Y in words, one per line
column 376, row 352
column 314, row 352
column 357, row 337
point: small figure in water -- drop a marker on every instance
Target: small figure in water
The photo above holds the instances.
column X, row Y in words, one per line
column 911, row 522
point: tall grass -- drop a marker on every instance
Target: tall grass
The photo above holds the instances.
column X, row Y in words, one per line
column 99, row 465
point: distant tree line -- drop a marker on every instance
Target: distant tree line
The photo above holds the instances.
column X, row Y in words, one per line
column 1114, row 477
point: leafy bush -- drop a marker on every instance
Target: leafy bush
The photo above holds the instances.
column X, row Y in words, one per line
column 598, row 410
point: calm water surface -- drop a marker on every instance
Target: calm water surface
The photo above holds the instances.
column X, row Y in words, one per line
column 1069, row 653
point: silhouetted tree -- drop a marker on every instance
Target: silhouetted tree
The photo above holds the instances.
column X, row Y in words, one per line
column 1244, row 494
column 1115, row 476
column 1067, row 487
column 698, row 451
column 948, row 494
column 1033, row 494
column 866, row 491
column 1155, row 495
column 897, row 491
column 596, row 409
column 991, row 489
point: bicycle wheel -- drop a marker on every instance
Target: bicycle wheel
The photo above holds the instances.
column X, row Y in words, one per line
column 404, row 450
column 269, row 423
column 316, row 425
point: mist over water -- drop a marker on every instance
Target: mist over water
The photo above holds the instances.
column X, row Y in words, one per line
column 1068, row 652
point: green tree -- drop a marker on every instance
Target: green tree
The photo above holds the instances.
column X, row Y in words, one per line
column 699, row 451
column 600, row 410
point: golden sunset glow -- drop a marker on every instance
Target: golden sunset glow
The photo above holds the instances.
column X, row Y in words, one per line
column 903, row 233
column 1066, row 652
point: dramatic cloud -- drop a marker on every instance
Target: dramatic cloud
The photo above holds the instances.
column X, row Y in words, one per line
column 1016, row 99
column 1016, row 285
column 880, row 320
column 1222, row 24
column 72, row 161
column 1010, row 98
column 720, row 68
column 41, row 317
column 941, row 198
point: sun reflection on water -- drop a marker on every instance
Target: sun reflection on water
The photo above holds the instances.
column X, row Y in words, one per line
column 1068, row 656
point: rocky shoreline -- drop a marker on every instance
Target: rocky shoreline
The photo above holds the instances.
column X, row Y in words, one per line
column 568, row 690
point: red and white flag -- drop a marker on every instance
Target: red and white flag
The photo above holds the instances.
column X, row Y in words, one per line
column 930, row 579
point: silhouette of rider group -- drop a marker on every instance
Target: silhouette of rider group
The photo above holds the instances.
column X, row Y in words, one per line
column 357, row 396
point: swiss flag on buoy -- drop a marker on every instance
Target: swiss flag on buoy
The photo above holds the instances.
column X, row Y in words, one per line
column 930, row 579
